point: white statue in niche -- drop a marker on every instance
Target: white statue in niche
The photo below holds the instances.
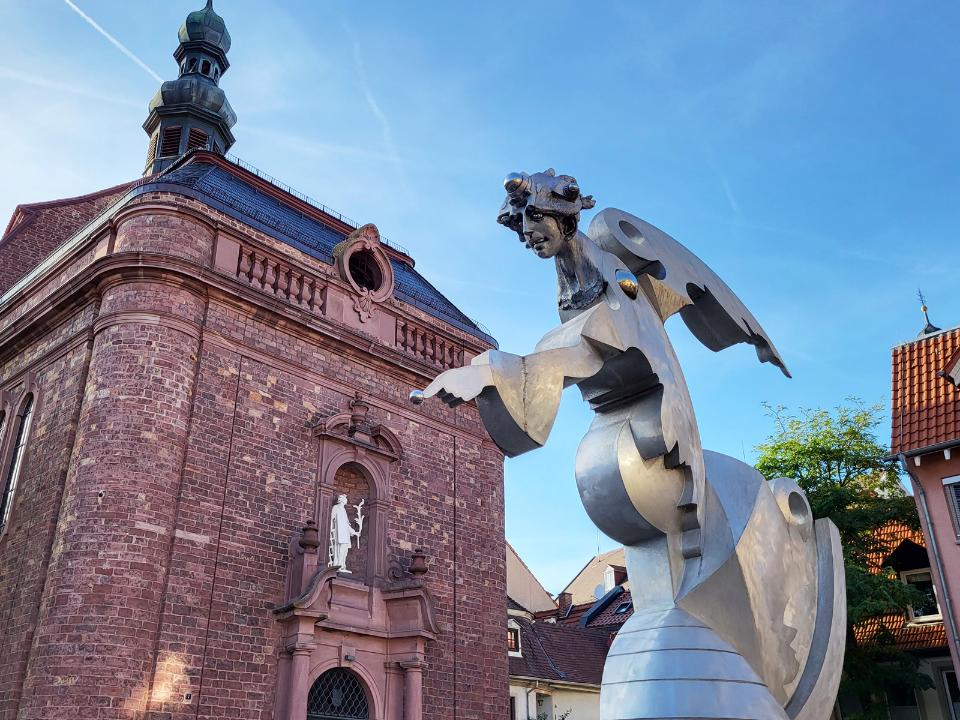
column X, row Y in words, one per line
column 342, row 532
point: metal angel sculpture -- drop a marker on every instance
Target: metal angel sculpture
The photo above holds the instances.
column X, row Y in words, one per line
column 739, row 594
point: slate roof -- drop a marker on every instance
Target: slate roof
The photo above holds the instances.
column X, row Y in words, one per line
column 229, row 193
column 926, row 404
column 514, row 605
column 560, row 652
column 608, row 617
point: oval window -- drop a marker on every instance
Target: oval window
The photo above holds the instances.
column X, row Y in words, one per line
column 365, row 270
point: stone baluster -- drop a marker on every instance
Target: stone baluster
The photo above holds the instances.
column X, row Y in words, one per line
column 270, row 277
column 256, row 274
column 293, row 293
column 245, row 265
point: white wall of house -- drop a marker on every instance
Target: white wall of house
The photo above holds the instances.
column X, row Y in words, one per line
column 582, row 705
column 934, row 704
column 554, row 700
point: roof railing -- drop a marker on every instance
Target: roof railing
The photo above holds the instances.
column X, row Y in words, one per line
column 88, row 227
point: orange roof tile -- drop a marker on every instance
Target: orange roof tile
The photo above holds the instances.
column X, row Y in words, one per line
column 926, row 404
column 894, row 627
column 925, row 636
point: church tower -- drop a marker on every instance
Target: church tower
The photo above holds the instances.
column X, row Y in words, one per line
column 192, row 111
column 194, row 367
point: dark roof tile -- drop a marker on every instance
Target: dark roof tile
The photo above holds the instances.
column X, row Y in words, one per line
column 560, row 652
column 228, row 192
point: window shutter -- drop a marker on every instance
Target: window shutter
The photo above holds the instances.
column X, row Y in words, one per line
column 152, row 152
column 170, row 143
column 197, row 138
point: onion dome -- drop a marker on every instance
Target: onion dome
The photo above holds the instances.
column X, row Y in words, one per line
column 192, row 111
column 206, row 26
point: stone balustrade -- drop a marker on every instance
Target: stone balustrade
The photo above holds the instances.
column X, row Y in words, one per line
column 279, row 279
column 428, row 346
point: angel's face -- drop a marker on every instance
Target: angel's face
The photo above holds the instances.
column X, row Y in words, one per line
column 542, row 233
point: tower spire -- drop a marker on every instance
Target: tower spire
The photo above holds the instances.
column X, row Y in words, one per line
column 192, row 111
column 929, row 327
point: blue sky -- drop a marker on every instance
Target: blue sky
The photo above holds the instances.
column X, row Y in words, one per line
column 807, row 151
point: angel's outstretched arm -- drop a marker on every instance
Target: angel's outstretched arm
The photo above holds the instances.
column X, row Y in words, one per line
column 518, row 396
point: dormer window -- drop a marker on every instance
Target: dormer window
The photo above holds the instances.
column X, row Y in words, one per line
column 609, row 581
column 928, row 610
column 513, row 639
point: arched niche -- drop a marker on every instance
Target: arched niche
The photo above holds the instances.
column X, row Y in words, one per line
column 351, row 447
column 353, row 481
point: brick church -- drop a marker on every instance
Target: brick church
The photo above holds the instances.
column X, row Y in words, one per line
column 194, row 367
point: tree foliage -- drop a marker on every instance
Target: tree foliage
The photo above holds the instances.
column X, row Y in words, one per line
column 837, row 460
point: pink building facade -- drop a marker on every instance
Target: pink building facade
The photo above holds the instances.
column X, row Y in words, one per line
column 925, row 437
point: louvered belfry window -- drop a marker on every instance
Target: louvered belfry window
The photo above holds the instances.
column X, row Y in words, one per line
column 337, row 695
column 12, row 470
column 152, row 152
column 170, row 142
column 197, row 138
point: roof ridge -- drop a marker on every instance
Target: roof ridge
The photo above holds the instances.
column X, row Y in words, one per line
column 926, row 337
column 70, row 200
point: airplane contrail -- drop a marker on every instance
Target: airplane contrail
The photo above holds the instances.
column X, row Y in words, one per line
column 116, row 43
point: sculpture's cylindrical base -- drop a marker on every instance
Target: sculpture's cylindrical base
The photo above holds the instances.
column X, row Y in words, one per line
column 668, row 664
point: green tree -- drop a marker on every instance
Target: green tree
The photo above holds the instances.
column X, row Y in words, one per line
column 837, row 460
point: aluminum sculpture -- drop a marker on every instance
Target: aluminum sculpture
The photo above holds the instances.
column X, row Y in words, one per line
column 739, row 593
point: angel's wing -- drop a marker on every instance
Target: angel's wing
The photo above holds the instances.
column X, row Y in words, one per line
column 677, row 281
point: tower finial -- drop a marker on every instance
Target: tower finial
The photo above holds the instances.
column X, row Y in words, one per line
column 192, row 111
column 929, row 327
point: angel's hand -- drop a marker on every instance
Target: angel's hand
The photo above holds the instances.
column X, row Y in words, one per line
column 456, row 386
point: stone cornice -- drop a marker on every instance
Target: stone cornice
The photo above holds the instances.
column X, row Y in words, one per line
column 133, row 205
column 152, row 267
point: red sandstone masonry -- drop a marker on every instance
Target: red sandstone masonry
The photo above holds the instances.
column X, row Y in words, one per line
column 168, row 581
column 25, row 546
column 45, row 226
column 110, row 553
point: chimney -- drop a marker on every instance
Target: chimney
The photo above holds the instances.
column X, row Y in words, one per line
column 564, row 601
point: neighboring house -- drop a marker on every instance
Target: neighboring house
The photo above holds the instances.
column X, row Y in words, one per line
column 555, row 669
column 524, row 588
column 925, row 435
column 920, row 631
column 604, row 571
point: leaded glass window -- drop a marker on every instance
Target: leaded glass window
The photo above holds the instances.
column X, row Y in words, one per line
column 337, row 695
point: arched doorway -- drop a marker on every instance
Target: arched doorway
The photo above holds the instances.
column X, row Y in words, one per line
column 338, row 694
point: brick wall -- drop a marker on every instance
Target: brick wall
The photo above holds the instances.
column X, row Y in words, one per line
column 193, row 463
column 45, row 226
